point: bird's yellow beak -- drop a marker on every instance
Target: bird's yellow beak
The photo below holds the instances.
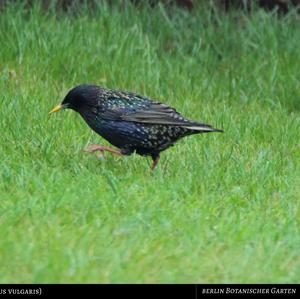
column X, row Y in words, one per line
column 56, row 109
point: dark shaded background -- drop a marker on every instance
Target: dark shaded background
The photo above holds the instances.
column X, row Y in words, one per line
column 282, row 6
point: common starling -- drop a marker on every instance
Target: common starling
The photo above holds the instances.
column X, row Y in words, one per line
column 131, row 122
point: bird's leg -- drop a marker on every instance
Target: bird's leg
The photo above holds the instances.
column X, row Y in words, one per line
column 95, row 147
column 155, row 158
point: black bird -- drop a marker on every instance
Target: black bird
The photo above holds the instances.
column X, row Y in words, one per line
column 131, row 122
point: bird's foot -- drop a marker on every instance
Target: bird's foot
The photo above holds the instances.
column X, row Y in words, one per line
column 95, row 147
column 155, row 159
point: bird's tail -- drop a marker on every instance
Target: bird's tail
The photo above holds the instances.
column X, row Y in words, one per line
column 202, row 128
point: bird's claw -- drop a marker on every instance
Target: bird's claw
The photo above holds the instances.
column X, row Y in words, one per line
column 101, row 149
column 93, row 148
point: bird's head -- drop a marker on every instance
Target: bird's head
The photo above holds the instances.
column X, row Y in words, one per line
column 79, row 98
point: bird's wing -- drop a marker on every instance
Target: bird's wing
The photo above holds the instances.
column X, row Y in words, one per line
column 154, row 113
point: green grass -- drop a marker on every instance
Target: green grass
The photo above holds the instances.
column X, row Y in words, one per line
column 220, row 208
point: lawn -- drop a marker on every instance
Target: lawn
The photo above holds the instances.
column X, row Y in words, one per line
column 220, row 208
